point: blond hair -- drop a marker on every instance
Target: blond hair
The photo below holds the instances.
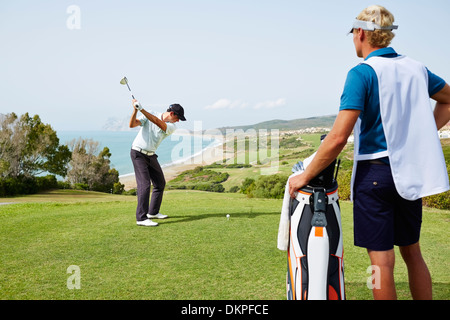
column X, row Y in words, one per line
column 381, row 16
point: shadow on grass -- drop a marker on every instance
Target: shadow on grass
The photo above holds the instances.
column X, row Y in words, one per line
column 233, row 215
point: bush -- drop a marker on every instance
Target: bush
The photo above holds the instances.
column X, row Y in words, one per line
column 47, row 182
column 199, row 179
column 211, row 187
column 271, row 186
column 64, row 185
column 439, row 201
column 344, row 180
column 8, row 187
column 238, row 166
column 26, row 185
column 216, row 187
column 131, row 192
column 118, row 188
column 81, row 186
column 247, row 186
column 20, row 185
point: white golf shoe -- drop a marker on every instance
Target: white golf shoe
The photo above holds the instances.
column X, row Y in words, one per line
column 147, row 223
column 157, row 216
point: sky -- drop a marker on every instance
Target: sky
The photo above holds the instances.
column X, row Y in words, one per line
column 227, row 62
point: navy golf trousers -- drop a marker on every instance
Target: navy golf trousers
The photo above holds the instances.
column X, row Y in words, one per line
column 147, row 172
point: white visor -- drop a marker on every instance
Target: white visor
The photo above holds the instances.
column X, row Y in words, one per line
column 369, row 26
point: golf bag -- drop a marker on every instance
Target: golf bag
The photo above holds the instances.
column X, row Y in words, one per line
column 315, row 259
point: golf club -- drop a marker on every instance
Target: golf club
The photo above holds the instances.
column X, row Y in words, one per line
column 125, row 81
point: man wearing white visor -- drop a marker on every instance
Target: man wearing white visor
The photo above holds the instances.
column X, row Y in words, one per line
column 398, row 156
column 369, row 26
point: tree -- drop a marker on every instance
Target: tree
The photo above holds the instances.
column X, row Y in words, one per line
column 29, row 147
column 91, row 167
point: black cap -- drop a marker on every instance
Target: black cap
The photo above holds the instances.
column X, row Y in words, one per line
column 178, row 110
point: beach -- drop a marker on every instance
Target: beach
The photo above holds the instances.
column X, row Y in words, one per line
column 171, row 171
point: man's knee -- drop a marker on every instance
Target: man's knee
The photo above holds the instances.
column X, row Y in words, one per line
column 411, row 253
column 383, row 259
column 144, row 186
column 159, row 187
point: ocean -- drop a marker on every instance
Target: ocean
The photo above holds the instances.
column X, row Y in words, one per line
column 176, row 148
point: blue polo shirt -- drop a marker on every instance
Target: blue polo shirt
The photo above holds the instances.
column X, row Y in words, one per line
column 361, row 93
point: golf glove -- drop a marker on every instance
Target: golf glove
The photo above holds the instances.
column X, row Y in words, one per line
column 137, row 105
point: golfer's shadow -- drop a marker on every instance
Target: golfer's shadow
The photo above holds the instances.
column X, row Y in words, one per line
column 233, row 215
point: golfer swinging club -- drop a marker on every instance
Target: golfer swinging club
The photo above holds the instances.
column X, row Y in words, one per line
column 155, row 127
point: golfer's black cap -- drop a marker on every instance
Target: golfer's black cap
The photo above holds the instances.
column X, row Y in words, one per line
column 178, row 110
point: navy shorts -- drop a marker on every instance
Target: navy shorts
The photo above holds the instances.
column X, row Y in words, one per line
column 381, row 217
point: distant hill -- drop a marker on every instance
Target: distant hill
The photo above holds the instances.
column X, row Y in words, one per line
column 114, row 124
column 296, row 124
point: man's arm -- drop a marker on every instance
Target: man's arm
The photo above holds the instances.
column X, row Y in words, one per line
column 161, row 124
column 442, row 109
column 133, row 121
column 328, row 150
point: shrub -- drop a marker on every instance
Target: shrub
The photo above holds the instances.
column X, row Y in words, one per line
column 216, row 187
column 8, row 187
column 439, row 201
column 47, row 182
column 64, row 185
column 211, row 187
column 26, row 185
column 247, row 185
column 343, row 180
column 271, row 186
column 131, row 192
column 199, row 179
column 19, row 185
column 118, row 188
column 81, row 186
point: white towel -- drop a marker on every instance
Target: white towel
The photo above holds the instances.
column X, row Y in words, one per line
column 283, row 228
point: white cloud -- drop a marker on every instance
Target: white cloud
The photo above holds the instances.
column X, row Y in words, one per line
column 220, row 104
column 270, row 104
column 238, row 104
column 228, row 104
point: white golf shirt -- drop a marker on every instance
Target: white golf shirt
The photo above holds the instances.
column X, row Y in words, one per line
column 150, row 135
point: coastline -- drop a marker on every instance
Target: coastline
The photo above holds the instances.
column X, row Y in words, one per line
column 207, row 156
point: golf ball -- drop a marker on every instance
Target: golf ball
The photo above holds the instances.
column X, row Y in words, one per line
column 228, row 216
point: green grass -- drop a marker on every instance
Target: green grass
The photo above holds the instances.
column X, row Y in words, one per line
column 289, row 153
column 195, row 254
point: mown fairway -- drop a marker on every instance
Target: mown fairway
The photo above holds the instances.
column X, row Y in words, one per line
column 197, row 253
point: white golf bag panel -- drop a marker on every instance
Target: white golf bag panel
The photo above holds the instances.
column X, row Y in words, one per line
column 315, row 252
